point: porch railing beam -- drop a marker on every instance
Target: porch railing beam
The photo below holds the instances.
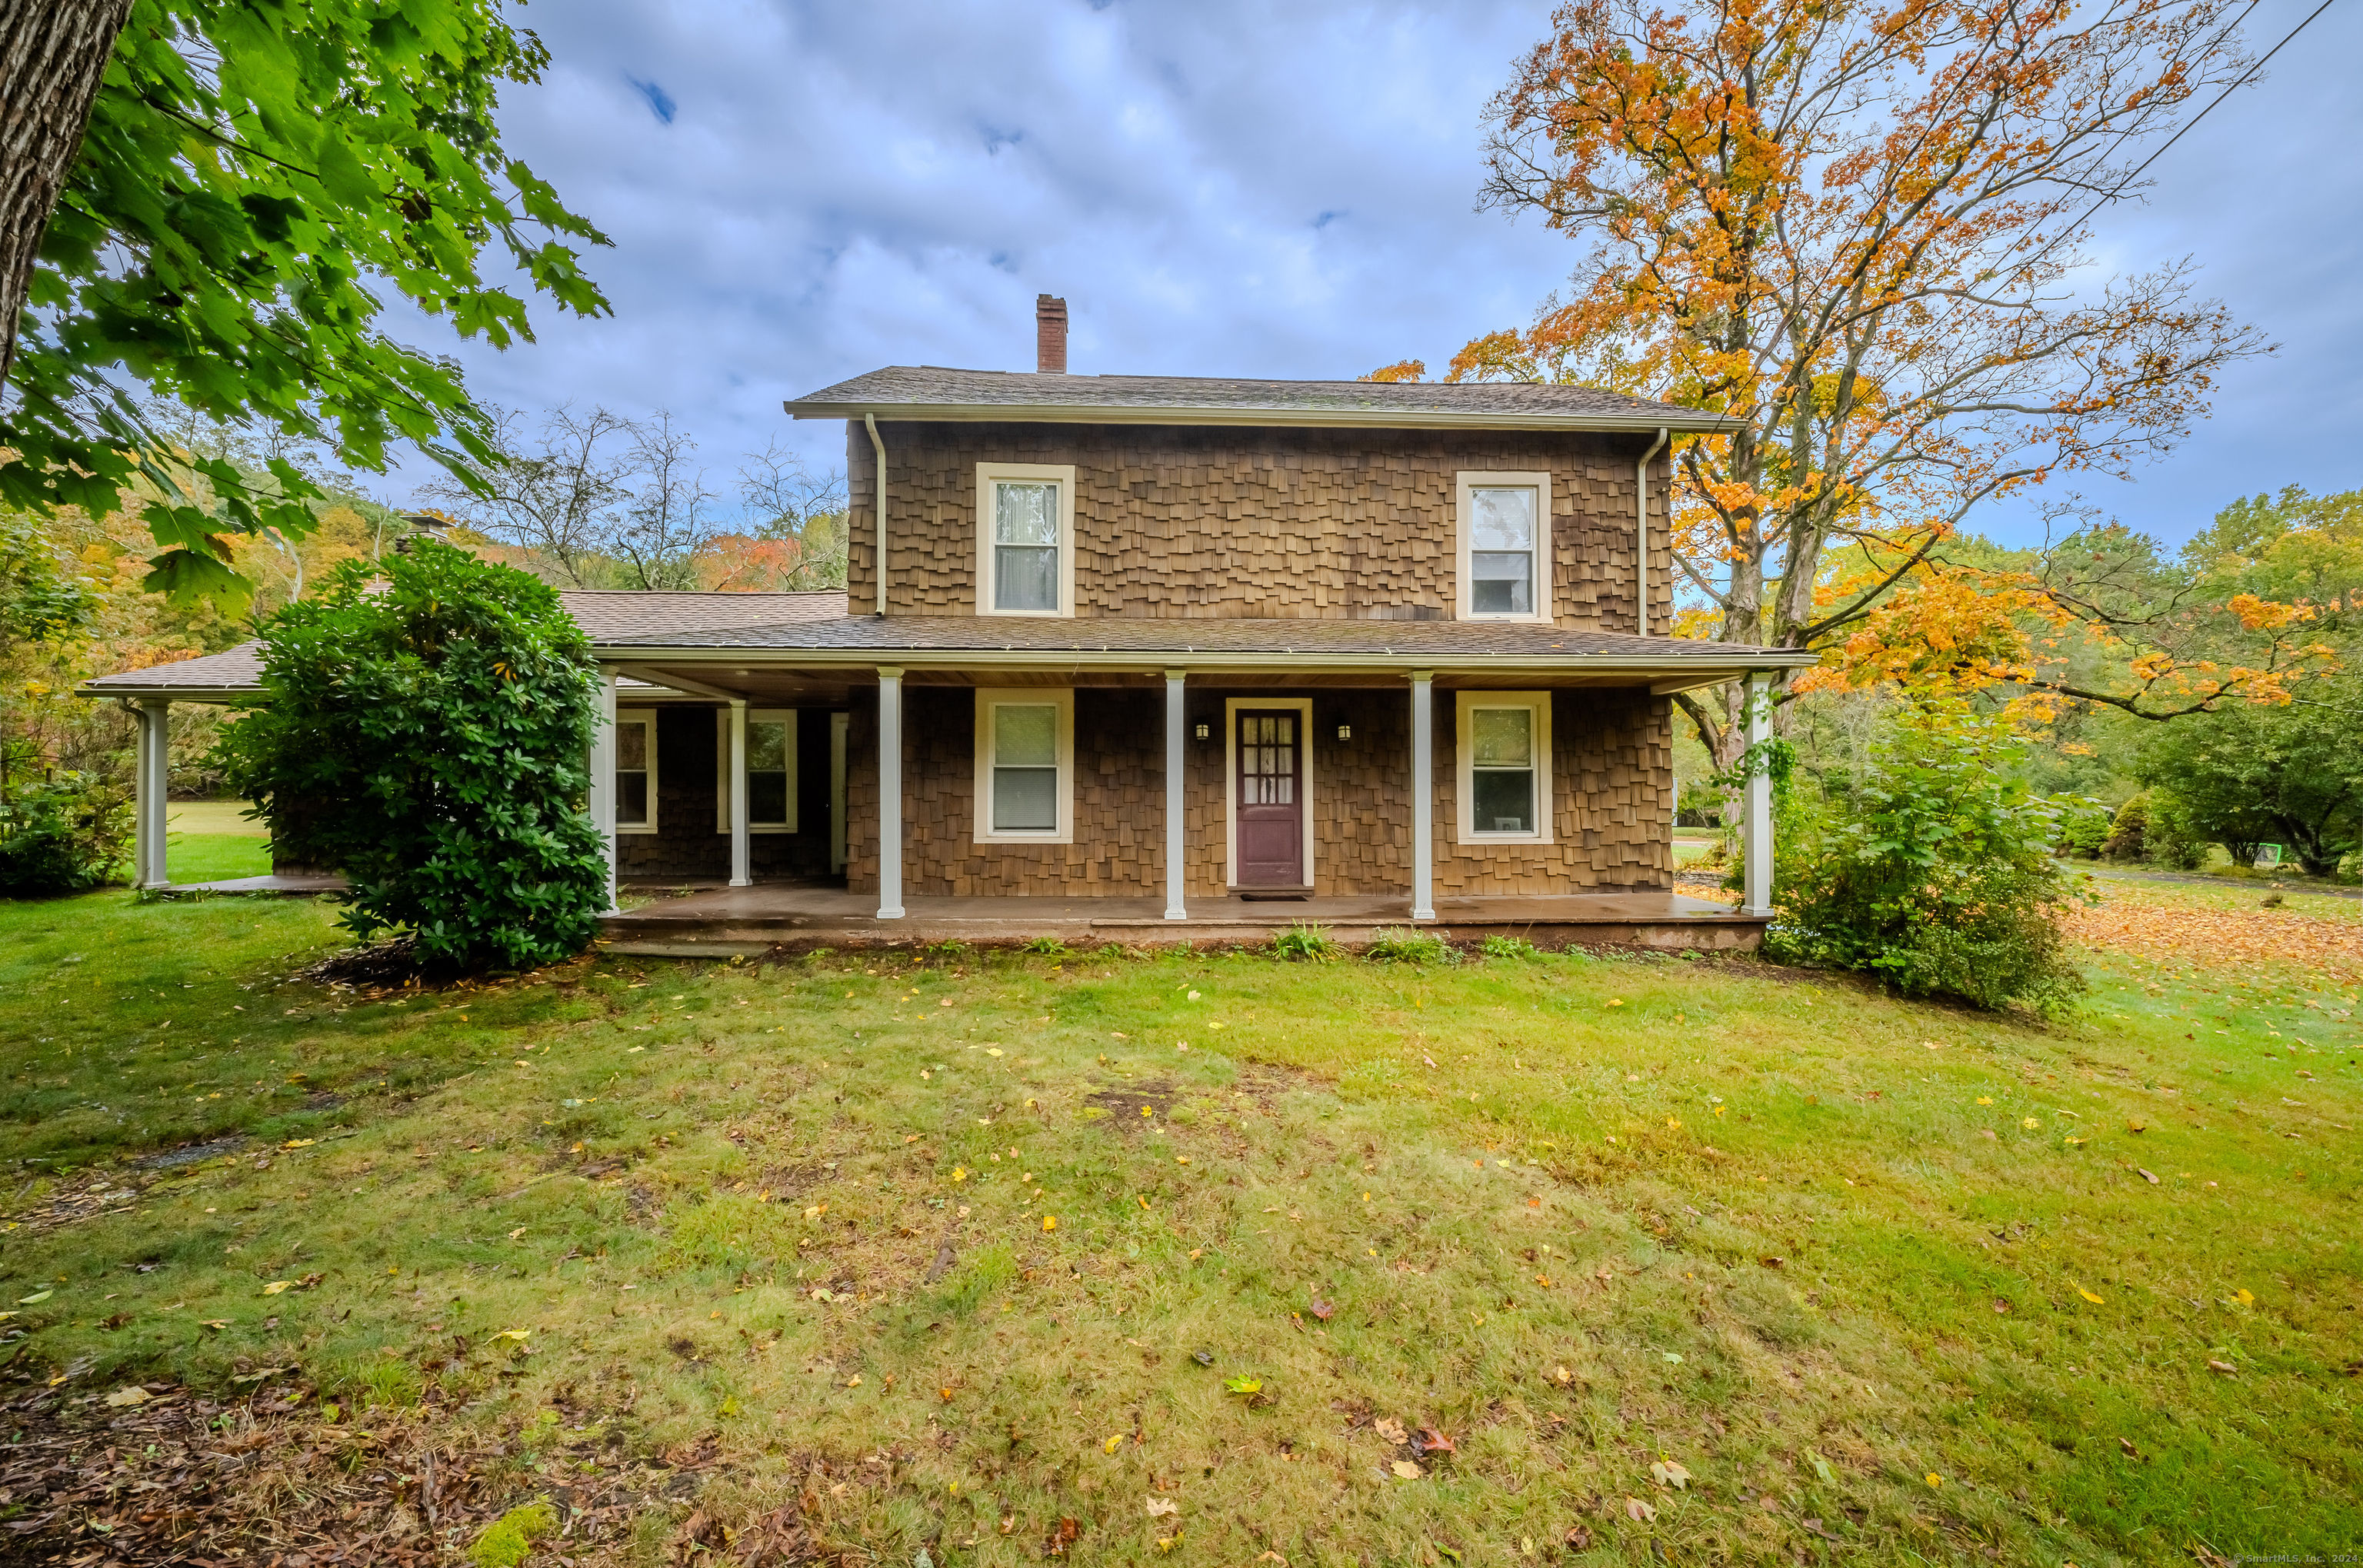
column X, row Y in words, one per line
column 1176, row 889
column 889, row 793
column 742, row 848
column 1422, row 794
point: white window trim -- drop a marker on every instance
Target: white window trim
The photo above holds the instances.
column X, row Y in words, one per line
column 990, row 697
column 722, row 768
column 1464, row 521
column 1464, row 759
column 1303, row 707
column 1063, row 475
column 646, row 716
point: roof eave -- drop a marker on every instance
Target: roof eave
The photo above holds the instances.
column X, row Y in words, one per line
column 1706, row 668
column 1683, row 421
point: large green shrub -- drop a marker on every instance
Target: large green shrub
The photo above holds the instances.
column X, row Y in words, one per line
column 1934, row 870
column 62, row 834
column 425, row 732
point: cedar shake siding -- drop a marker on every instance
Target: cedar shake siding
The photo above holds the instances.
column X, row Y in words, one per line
column 686, row 845
column 1612, row 799
column 1231, row 521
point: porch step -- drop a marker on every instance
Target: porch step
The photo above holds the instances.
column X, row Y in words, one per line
column 687, row 947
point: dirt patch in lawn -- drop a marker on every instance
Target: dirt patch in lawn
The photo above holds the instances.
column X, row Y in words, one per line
column 1135, row 1106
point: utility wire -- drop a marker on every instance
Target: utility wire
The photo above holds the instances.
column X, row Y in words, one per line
column 2185, row 127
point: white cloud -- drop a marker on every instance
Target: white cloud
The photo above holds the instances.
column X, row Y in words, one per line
column 1225, row 187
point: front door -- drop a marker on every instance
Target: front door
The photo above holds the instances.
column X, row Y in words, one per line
column 1267, row 797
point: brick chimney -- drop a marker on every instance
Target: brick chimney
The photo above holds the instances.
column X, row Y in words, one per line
column 1050, row 334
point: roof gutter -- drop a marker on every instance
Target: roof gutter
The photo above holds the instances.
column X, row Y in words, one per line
column 878, row 502
column 1315, row 418
column 1726, row 665
column 1641, row 521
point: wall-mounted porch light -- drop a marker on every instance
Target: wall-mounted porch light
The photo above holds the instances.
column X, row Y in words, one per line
column 1345, row 732
column 1203, row 731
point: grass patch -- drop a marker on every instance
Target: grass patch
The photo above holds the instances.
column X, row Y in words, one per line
column 951, row 1254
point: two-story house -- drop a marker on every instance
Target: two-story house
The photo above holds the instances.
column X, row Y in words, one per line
column 1177, row 646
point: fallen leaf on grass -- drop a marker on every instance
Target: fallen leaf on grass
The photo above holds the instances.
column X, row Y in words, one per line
column 2146, row 1176
column 1638, row 1511
column 1668, row 1473
column 1579, row 1537
column 1405, row 1470
column 2213, row 1366
column 276, row 1285
column 1390, row 1429
column 37, row 1296
column 1244, row 1386
column 1162, row 1507
column 2090, row 1297
column 1323, row 1310
column 1434, row 1441
column 1828, row 1477
column 1111, row 1445
column 123, row 1398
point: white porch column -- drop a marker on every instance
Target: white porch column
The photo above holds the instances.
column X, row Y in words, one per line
column 1757, row 799
column 1423, row 795
column 742, row 848
column 1175, row 902
column 889, row 793
column 148, row 853
column 602, row 778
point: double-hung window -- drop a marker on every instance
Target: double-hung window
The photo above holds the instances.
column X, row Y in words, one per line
column 1503, row 740
column 770, row 770
column 1025, row 540
column 1505, row 559
column 1024, row 766
column 636, row 770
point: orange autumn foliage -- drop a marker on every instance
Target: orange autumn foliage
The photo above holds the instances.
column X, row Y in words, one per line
column 1847, row 226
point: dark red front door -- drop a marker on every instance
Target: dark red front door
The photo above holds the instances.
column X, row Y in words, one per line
column 1268, row 797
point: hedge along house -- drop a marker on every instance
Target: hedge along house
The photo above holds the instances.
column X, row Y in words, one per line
column 1127, row 650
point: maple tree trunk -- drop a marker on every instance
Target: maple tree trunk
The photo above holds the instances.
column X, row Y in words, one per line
column 52, row 54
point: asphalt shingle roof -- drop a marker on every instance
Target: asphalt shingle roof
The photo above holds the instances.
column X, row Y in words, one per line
column 785, row 624
column 931, row 392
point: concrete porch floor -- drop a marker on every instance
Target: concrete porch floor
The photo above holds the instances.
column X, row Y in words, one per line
column 718, row 920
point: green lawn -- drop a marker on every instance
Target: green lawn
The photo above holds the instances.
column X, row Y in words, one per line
column 934, row 1256
column 212, row 840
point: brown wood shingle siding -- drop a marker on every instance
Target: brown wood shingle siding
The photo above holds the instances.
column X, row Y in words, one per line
column 1226, row 521
column 1612, row 800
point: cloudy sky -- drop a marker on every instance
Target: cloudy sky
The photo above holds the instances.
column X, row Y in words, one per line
column 802, row 192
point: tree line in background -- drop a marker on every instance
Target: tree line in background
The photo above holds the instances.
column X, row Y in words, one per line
column 592, row 499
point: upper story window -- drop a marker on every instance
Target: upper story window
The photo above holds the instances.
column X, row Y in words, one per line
column 1505, row 554
column 1024, row 766
column 1503, row 745
column 1025, row 540
column 636, row 770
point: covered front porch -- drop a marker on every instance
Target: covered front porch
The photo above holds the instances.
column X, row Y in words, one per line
column 1469, row 780
column 719, row 919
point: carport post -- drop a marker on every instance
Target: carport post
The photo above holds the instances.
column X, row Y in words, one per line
column 1175, row 902
column 889, row 792
column 1757, row 800
column 742, row 854
column 148, row 854
column 1422, row 794
column 602, row 778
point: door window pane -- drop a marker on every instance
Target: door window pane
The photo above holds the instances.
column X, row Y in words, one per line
column 1024, row 767
column 1026, row 547
column 1501, row 551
